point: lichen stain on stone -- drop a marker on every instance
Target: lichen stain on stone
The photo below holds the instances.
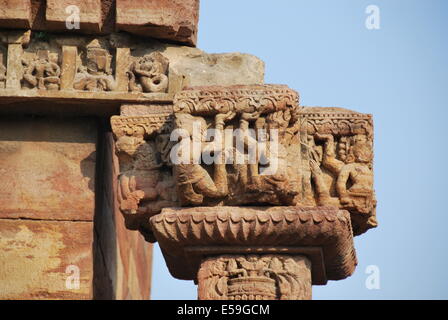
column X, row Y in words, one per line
column 35, row 250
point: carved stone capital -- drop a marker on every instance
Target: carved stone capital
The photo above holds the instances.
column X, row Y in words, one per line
column 189, row 235
column 291, row 211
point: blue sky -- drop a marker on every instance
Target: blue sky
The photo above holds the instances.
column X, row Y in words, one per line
column 322, row 49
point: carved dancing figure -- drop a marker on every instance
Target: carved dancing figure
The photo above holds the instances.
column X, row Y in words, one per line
column 42, row 73
column 354, row 183
column 148, row 74
column 143, row 182
column 193, row 180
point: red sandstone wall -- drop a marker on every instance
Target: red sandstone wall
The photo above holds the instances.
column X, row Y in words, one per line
column 58, row 209
column 47, row 186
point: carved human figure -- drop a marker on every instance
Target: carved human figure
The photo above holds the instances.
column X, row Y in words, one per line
column 259, row 166
column 213, row 277
column 268, row 172
column 354, row 182
column 194, row 182
column 97, row 74
column 277, row 125
column 42, row 73
column 322, row 188
column 142, row 181
column 149, row 74
column 250, row 266
column 248, row 171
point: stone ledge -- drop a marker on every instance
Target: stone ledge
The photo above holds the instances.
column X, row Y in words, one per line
column 16, row 95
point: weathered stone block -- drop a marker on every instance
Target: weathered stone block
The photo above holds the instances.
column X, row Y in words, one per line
column 14, row 65
column 48, row 168
column 69, row 55
column 90, row 16
column 43, row 259
column 15, row 14
column 218, row 69
column 175, row 20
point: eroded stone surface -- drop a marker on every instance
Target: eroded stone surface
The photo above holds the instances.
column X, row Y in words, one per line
column 35, row 255
column 175, row 20
column 89, row 14
column 15, row 14
column 225, row 69
column 48, row 168
column 113, row 69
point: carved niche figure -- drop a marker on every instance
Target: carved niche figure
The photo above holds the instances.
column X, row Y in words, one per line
column 339, row 148
column 255, row 277
column 194, row 182
column 97, row 74
column 355, row 169
column 145, row 182
column 149, row 74
column 42, row 72
column 251, row 165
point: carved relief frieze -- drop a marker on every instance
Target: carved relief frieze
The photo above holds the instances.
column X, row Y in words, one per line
column 114, row 68
column 146, row 184
column 246, row 118
column 243, row 224
column 255, row 277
